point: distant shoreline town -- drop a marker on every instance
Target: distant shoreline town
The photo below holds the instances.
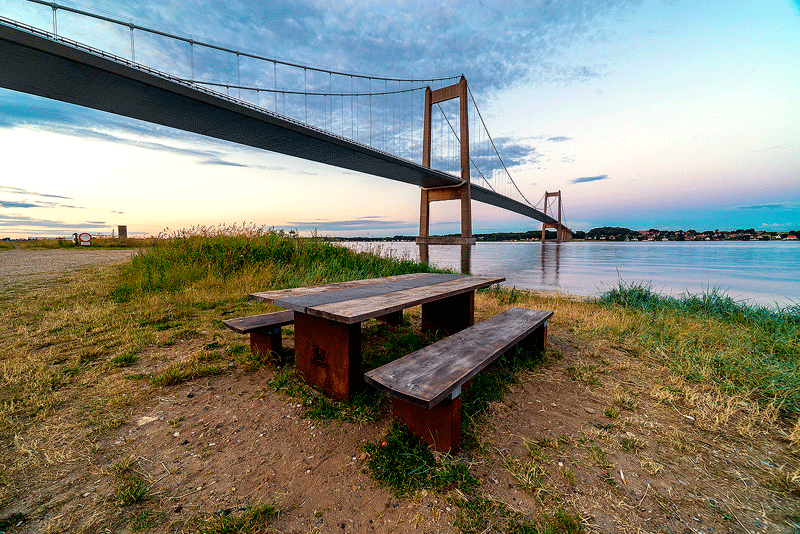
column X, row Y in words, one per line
column 605, row 233
column 615, row 233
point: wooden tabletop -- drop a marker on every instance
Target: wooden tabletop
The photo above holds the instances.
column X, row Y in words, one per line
column 358, row 300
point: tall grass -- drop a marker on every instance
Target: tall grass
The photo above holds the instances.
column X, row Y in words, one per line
column 188, row 256
column 740, row 347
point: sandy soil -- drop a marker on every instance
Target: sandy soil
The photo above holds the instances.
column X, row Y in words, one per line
column 215, row 445
column 23, row 267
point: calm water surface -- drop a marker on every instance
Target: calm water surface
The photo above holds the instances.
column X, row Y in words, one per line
column 763, row 273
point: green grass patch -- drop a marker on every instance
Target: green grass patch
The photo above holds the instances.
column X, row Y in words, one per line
column 198, row 366
column 711, row 338
column 126, row 359
column 403, row 463
column 131, row 489
column 477, row 514
column 364, row 407
column 13, row 520
column 191, row 256
column 254, row 518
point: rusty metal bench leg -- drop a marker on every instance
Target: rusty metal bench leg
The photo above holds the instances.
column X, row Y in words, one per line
column 265, row 341
column 449, row 315
column 536, row 340
column 328, row 354
column 439, row 426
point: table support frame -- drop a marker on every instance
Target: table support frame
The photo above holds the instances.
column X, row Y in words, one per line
column 449, row 315
column 328, row 355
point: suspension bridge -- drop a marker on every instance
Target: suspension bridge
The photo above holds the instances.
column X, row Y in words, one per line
column 427, row 132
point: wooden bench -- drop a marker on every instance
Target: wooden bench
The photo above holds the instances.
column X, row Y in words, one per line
column 264, row 330
column 425, row 386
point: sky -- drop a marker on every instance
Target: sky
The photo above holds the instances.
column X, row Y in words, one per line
column 644, row 114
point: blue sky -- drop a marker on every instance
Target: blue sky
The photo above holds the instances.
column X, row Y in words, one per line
column 666, row 114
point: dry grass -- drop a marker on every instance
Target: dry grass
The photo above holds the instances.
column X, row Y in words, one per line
column 63, row 387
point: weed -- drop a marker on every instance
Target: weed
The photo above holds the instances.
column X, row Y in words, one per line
column 147, row 520
column 611, row 413
column 123, row 466
column 650, row 466
column 536, row 452
column 13, row 520
column 504, row 295
column 481, row 515
column 568, row 474
column 364, row 407
column 530, row 477
column 125, row 359
column 253, row 361
column 715, row 506
column 586, row 373
column 608, row 479
column 599, row 458
column 131, row 490
column 174, row 423
column 403, row 463
column 195, row 367
column 630, row 444
column 626, row 402
column 254, row 517
column 546, row 442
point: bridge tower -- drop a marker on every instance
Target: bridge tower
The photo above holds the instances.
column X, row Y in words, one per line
column 562, row 234
column 459, row 192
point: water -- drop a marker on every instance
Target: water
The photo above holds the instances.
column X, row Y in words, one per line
column 758, row 272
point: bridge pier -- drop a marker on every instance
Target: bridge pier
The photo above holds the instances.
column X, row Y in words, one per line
column 562, row 233
column 460, row 192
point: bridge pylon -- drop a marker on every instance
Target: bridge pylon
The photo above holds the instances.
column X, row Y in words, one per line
column 461, row 191
column 562, row 232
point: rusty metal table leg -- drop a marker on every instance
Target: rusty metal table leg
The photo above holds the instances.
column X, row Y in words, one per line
column 449, row 315
column 328, row 354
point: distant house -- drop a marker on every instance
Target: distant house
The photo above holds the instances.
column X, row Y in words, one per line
column 791, row 238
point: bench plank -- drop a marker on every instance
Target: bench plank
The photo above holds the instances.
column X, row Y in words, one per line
column 429, row 375
column 246, row 325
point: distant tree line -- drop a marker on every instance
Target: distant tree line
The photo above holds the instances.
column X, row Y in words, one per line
column 611, row 233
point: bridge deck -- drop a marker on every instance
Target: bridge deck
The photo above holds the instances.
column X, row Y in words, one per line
column 34, row 64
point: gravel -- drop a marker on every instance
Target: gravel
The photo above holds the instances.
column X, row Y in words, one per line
column 22, row 267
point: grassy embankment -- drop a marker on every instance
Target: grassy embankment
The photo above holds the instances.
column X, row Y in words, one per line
column 66, row 354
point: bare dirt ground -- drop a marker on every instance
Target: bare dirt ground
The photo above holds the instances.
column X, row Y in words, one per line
column 215, row 445
column 20, row 268
column 596, row 430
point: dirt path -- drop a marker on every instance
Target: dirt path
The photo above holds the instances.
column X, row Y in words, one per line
column 23, row 267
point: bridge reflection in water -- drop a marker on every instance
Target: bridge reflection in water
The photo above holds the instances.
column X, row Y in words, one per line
column 549, row 261
column 466, row 256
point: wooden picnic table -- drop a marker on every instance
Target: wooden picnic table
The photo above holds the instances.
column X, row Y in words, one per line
column 327, row 319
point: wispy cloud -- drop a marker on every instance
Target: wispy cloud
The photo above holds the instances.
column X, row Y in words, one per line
column 17, row 204
column 374, row 222
column 21, row 191
column 21, row 221
column 559, row 139
column 589, row 179
column 766, row 207
column 20, row 110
